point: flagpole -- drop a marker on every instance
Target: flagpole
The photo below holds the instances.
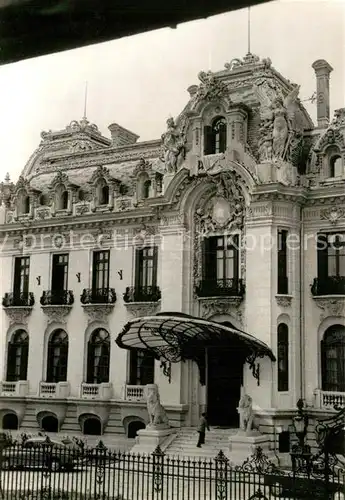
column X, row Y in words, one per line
column 248, row 30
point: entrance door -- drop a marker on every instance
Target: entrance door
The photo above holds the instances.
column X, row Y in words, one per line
column 224, row 380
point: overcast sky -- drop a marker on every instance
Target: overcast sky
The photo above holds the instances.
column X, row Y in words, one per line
column 139, row 81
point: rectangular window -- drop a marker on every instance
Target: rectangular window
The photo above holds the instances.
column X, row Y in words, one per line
column 100, row 270
column 146, row 267
column 21, row 277
column 221, row 260
column 142, row 365
column 59, row 272
column 283, row 285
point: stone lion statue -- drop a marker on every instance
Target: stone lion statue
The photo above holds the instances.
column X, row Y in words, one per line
column 157, row 413
column 245, row 409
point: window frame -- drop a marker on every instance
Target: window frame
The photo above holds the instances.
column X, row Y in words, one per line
column 98, row 373
column 142, row 270
column 15, row 371
column 337, row 342
column 57, row 372
column 21, row 275
column 282, row 262
column 100, row 268
column 283, row 357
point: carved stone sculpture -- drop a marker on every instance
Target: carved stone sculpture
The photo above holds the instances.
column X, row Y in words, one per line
column 245, row 409
column 158, row 418
column 174, row 146
column 280, row 137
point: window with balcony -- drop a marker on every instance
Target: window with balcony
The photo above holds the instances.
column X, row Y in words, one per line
column 282, row 285
column 17, row 357
column 57, row 358
column 215, row 137
column 98, row 357
column 283, row 357
column 220, row 267
column 145, row 288
column 331, row 265
column 142, row 367
column 59, row 278
column 333, row 359
column 100, row 275
column 21, row 281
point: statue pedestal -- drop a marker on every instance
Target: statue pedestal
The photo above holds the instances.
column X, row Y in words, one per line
column 266, row 172
column 149, row 438
column 167, row 178
column 243, row 444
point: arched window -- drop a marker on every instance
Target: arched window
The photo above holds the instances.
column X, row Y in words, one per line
column 146, row 189
column 44, row 200
column 17, row 357
column 103, row 194
column 10, row 422
column 50, row 424
column 335, row 166
column 333, row 359
column 283, row 357
column 81, row 195
column 215, row 137
column 64, row 200
column 142, row 367
column 57, row 357
column 134, row 427
column 26, row 205
column 92, row 426
column 98, row 357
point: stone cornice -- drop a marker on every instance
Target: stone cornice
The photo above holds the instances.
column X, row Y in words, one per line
column 150, row 149
column 92, row 221
column 277, row 192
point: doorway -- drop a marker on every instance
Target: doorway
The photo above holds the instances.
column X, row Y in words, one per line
column 224, row 380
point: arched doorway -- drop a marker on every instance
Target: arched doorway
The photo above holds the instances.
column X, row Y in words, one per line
column 134, row 427
column 10, row 422
column 92, row 426
column 50, row 424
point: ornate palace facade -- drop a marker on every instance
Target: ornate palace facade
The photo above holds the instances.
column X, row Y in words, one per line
column 234, row 216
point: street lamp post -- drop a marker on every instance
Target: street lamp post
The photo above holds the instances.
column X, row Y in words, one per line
column 301, row 453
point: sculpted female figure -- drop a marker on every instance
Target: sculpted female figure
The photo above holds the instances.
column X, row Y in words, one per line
column 173, row 143
column 280, row 128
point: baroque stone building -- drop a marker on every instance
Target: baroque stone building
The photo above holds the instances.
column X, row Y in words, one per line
column 231, row 227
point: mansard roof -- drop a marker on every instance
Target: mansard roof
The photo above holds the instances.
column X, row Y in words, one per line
column 79, row 149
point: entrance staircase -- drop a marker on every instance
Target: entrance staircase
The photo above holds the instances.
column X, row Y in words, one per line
column 184, row 445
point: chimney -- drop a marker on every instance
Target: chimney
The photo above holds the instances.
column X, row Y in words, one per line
column 120, row 136
column 322, row 71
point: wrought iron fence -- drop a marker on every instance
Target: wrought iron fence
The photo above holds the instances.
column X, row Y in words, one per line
column 49, row 470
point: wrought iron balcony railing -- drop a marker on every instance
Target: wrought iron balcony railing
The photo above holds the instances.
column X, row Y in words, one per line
column 331, row 285
column 142, row 294
column 98, row 296
column 221, row 288
column 57, row 298
column 18, row 299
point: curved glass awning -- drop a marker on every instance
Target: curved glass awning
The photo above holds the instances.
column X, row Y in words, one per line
column 176, row 337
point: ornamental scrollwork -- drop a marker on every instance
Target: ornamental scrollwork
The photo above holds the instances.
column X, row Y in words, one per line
column 18, row 315
column 332, row 214
column 330, row 306
column 284, row 300
column 98, row 312
column 138, row 309
column 56, row 313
